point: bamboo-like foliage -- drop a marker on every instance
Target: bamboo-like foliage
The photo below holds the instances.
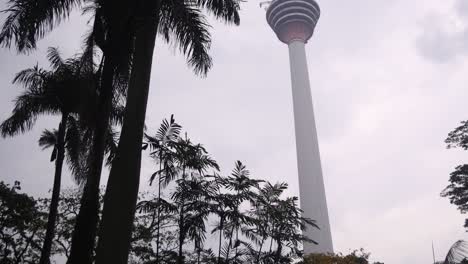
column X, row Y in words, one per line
column 253, row 223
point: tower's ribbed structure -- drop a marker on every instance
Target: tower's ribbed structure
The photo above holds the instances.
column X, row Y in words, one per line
column 294, row 22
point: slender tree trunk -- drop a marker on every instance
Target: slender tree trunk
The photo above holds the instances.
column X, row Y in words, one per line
column 278, row 251
column 124, row 178
column 84, row 234
column 180, row 256
column 260, row 250
column 220, row 239
column 235, row 244
column 53, row 208
column 159, row 210
column 230, row 243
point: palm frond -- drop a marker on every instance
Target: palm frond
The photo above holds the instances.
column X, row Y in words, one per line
column 225, row 10
column 77, row 150
column 117, row 115
column 111, row 145
column 168, row 131
column 27, row 108
column 182, row 24
column 55, row 59
column 32, row 78
column 48, row 139
column 457, row 253
column 87, row 57
column 28, row 21
column 240, row 170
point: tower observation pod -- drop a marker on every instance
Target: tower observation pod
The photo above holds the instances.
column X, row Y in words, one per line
column 294, row 22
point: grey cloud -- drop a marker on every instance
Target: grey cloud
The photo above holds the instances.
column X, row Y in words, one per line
column 442, row 39
column 462, row 8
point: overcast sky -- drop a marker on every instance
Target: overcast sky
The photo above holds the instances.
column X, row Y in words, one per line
column 388, row 80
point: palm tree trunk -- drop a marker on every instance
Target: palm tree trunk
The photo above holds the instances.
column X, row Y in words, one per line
column 53, row 208
column 84, row 234
column 124, row 178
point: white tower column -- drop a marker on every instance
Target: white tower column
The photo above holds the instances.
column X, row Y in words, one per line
column 311, row 187
column 294, row 23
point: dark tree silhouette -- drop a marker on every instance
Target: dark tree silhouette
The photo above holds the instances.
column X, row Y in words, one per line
column 194, row 196
column 21, row 226
column 457, row 190
column 182, row 23
column 117, row 24
column 243, row 188
column 61, row 90
column 162, row 147
column 171, row 225
column 29, row 21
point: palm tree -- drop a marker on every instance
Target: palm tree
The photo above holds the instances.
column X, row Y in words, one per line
column 183, row 21
column 26, row 23
column 74, row 147
column 262, row 210
column 193, row 162
column 219, row 206
column 192, row 197
column 241, row 184
column 114, row 42
column 287, row 227
column 61, row 90
column 113, row 33
column 164, row 214
column 161, row 145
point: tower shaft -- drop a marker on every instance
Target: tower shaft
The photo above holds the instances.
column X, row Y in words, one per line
column 293, row 22
column 311, row 186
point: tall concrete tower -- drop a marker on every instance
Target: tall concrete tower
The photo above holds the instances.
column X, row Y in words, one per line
column 294, row 22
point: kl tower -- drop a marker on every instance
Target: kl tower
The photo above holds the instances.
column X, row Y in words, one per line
column 294, row 21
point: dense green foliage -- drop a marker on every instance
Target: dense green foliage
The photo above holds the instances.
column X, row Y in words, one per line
column 195, row 202
column 355, row 257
